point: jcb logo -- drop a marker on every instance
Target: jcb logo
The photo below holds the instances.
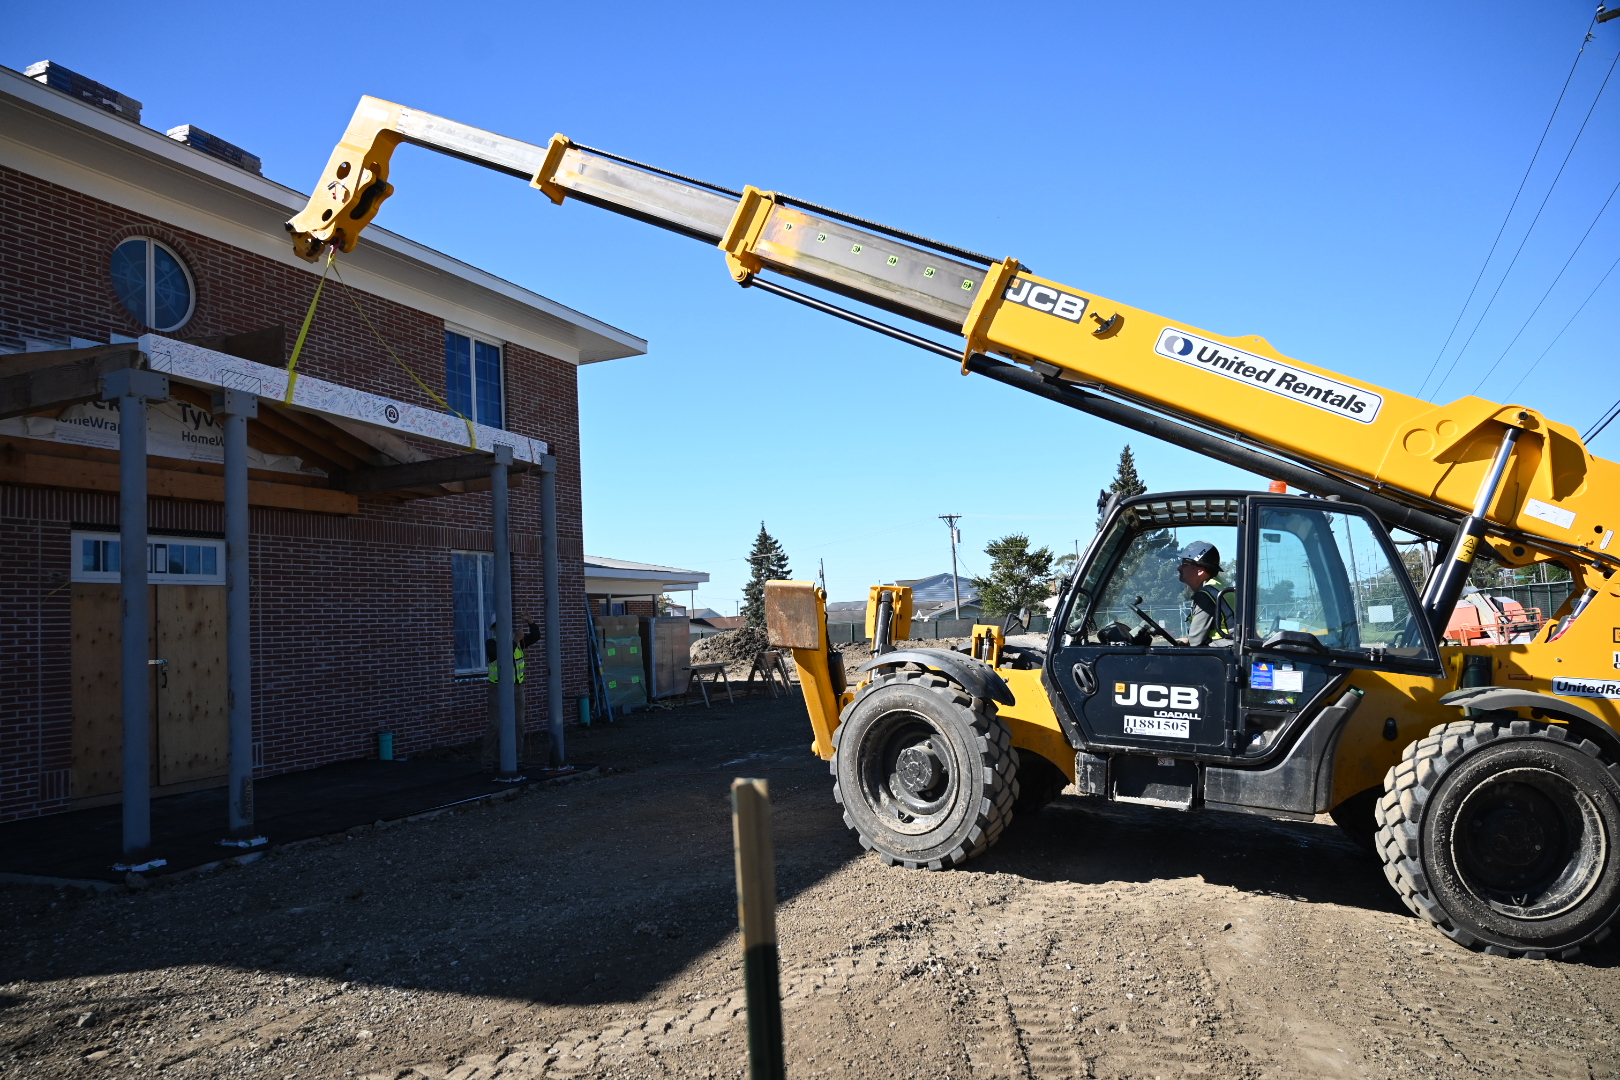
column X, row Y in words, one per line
column 1045, row 298
column 1154, row 696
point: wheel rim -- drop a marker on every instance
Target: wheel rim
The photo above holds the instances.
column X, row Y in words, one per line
column 1529, row 844
column 907, row 772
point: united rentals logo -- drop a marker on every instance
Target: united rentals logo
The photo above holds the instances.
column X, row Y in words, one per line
column 1045, row 298
column 1307, row 387
column 1588, row 688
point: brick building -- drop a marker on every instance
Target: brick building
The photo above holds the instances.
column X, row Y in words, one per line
column 367, row 608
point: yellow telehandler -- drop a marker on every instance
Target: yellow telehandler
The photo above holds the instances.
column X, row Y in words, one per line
column 1312, row 675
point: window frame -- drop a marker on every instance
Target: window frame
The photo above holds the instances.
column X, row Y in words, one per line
column 483, row 559
column 1142, row 514
column 146, row 317
column 78, row 574
column 474, row 339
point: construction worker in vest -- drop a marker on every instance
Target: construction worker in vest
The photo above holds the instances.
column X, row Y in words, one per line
column 492, row 734
column 1211, row 614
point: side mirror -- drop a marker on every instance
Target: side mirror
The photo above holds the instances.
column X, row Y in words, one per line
column 1293, row 641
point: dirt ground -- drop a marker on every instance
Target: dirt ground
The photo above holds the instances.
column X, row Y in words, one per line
column 589, row 930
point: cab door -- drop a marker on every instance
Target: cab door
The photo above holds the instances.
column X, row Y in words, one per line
column 1327, row 590
column 1161, row 696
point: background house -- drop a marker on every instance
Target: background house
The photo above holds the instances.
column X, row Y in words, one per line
column 621, row 587
column 932, row 598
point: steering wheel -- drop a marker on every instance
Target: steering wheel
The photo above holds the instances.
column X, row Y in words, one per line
column 1152, row 625
column 1115, row 633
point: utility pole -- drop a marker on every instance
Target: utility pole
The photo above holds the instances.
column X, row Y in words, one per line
column 950, row 521
column 822, row 574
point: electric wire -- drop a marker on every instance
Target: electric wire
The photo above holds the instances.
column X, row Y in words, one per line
column 1526, row 238
column 1608, row 415
column 1514, row 388
column 1585, row 40
column 1556, row 279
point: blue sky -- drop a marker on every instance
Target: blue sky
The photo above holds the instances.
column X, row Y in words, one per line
column 1328, row 176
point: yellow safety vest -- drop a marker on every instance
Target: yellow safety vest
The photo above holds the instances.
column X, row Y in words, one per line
column 517, row 663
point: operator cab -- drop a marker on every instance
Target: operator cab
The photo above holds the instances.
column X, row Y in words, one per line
column 1309, row 590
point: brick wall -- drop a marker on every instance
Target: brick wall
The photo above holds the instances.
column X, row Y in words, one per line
column 351, row 615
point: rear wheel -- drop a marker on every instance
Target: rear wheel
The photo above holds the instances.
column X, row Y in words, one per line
column 1506, row 835
column 924, row 770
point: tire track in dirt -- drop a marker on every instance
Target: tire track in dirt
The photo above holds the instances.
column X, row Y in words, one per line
column 1030, row 980
column 1350, row 993
column 1096, row 940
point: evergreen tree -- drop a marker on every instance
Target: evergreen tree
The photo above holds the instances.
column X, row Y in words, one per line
column 1018, row 576
column 770, row 563
column 1126, row 482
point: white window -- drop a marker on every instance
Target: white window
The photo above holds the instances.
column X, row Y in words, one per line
column 170, row 560
column 472, row 585
column 473, row 379
column 153, row 283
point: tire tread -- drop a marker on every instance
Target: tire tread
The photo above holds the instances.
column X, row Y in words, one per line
column 1408, row 788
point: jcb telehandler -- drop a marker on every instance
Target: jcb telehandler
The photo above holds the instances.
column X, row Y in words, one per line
column 1487, row 778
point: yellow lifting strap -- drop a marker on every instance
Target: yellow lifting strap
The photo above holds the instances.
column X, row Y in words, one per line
column 303, row 332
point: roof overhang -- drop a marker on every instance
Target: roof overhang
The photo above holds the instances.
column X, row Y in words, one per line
column 615, row 581
column 363, row 443
column 57, row 138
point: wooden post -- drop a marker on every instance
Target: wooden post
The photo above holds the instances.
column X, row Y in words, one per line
column 756, row 915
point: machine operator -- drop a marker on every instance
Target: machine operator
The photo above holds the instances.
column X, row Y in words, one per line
column 1211, row 619
column 1211, row 615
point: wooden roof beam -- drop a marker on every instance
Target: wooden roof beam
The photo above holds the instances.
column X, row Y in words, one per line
column 262, row 437
column 276, row 420
column 35, row 382
column 419, row 474
column 364, row 453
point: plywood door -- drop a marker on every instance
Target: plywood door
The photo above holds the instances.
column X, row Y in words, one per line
column 98, row 714
column 192, row 689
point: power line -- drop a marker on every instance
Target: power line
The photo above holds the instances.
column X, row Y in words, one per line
column 1585, row 39
column 1526, row 238
column 1608, row 414
column 1514, row 388
column 1556, row 279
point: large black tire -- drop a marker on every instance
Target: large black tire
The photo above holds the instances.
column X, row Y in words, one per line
column 925, row 772
column 1039, row 782
column 1506, row 835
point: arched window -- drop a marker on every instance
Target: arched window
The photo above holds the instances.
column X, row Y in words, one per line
column 153, row 283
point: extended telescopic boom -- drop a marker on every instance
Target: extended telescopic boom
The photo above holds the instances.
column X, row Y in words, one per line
column 1236, row 399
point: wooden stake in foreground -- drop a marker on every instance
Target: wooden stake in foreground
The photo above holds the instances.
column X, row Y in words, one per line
column 756, row 914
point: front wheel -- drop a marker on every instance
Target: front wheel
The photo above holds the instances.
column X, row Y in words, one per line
column 925, row 772
column 1504, row 834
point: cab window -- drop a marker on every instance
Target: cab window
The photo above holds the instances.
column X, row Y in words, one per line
column 1146, row 564
column 1330, row 574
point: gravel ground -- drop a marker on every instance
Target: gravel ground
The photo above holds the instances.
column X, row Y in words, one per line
column 589, row 931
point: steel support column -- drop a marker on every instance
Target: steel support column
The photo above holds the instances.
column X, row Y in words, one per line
column 132, row 388
column 236, row 408
column 506, row 674
column 558, row 757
